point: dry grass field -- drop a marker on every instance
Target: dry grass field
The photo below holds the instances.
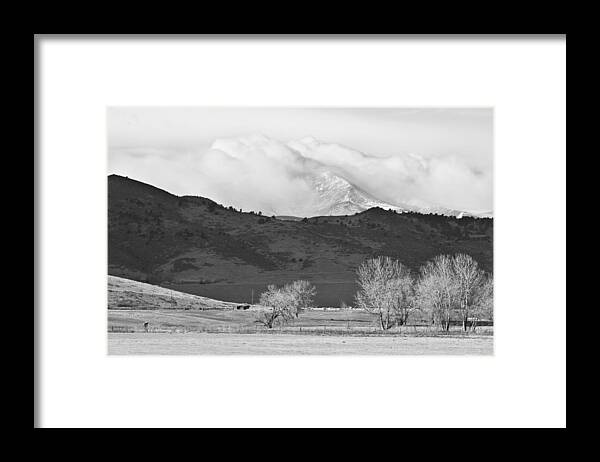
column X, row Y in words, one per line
column 278, row 344
column 331, row 321
column 180, row 323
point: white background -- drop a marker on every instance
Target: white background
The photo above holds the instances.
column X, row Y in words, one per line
column 523, row 384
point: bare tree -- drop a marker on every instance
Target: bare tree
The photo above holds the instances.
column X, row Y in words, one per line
column 383, row 290
column 302, row 295
column 276, row 303
column 437, row 290
column 285, row 303
column 403, row 296
column 483, row 306
column 428, row 294
column 468, row 279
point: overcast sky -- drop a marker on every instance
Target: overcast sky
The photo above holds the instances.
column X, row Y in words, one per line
column 249, row 157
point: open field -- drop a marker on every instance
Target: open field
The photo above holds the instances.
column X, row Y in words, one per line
column 270, row 344
column 331, row 321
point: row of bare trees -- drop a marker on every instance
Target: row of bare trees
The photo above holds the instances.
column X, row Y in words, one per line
column 447, row 287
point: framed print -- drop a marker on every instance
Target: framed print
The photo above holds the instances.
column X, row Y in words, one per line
column 334, row 221
column 252, row 245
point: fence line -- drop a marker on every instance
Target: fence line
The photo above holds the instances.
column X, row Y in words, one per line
column 409, row 330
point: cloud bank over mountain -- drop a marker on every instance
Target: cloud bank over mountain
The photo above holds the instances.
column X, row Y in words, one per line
column 256, row 172
column 264, row 159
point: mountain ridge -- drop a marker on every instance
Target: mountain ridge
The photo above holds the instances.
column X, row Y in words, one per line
column 196, row 245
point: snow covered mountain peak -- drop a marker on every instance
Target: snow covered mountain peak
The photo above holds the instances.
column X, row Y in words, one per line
column 337, row 196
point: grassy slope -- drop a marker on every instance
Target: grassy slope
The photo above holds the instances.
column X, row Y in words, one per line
column 125, row 294
column 161, row 238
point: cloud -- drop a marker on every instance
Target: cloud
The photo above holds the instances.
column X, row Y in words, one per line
column 440, row 181
column 257, row 172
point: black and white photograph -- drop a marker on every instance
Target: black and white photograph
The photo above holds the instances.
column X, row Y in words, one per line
column 300, row 231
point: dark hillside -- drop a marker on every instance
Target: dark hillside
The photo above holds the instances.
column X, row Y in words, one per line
column 195, row 245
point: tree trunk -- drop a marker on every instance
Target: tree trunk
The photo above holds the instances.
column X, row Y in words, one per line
column 271, row 321
column 385, row 322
